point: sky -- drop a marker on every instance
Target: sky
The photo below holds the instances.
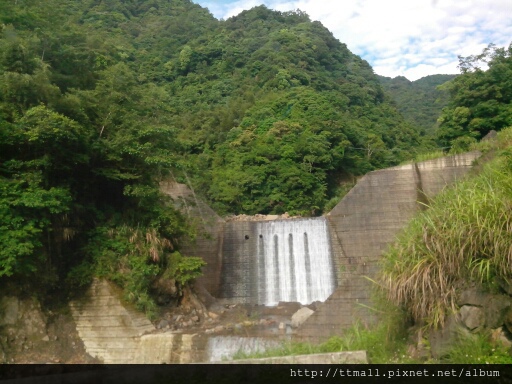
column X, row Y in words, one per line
column 411, row 38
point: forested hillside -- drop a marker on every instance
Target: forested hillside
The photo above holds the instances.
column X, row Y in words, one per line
column 84, row 141
column 419, row 101
column 100, row 100
column 271, row 109
column 480, row 99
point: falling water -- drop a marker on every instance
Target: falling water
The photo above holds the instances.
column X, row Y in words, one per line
column 225, row 347
column 294, row 261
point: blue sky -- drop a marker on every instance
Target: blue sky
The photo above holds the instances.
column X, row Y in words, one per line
column 411, row 38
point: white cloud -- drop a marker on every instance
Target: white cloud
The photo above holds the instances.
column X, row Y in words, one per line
column 412, row 38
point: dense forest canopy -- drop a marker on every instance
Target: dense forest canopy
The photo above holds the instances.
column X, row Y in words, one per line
column 273, row 109
column 213, row 83
column 84, row 142
column 420, row 101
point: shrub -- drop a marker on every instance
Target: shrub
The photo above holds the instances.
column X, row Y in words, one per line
column 133, row 259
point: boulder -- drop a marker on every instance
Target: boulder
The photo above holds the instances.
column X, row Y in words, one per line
column 301, row 316
column 165, row 287
column 472, row 317
column 500, row 336
column 492, row 134
column 33, row 320
column 474, row 297
column 494, row 307
column 496, row 310
column 441, row 340
column 213, row 315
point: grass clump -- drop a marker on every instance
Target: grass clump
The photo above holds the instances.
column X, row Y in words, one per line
column 382, row 344
column 376, row 341
column 464, row 236
column 477, row 349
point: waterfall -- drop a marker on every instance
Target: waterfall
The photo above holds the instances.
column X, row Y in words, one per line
column 294, row 261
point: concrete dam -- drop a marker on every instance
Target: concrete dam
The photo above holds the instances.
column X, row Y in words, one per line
column 265, row 261
column 326, row 259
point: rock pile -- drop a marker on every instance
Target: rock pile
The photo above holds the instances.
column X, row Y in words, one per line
column 478, row 311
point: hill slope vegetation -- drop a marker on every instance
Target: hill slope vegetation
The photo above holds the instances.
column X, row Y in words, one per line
column 100, row 100
column 419, row 101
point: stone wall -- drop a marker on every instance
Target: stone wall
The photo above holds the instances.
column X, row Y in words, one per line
column 364, row 223
column 23, row 326
column 477, row 311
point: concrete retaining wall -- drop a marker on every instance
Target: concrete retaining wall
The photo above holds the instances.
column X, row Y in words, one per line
column 115, row 333
column 361, row 226
column 352, row 357
column 364, row 223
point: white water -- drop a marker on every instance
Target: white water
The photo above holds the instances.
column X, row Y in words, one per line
column 225, row 347
column 294, row 261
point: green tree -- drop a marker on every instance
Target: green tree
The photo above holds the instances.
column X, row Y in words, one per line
column 480, row 100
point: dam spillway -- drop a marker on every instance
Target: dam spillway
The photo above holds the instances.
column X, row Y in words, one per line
column 294, row 261
column 266, row 262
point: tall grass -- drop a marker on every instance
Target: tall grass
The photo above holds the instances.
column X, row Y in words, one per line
column 465, row 236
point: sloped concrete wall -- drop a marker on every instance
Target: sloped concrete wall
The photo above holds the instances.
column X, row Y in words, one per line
column 109, row 330
column 114, row 333
column 364, row 223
